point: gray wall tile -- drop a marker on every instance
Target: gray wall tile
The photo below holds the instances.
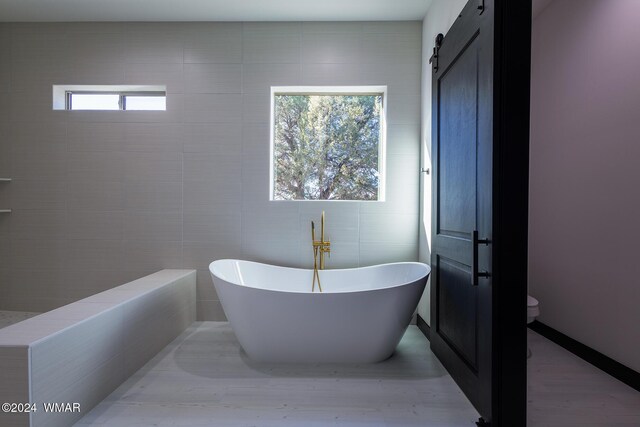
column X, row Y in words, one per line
column 153, row 225
column 35, row 165
column 153, row 47
column 104, row 197
column 379, row 253
column 96, row 47
column 217, row 198
column 148, row 256
column 43, row 138
column 32, row 107
column 266, row 47
column 38, row 224
column 343, row 255
column 170, row 75
column 372, row 228
column 391, row 48
column 205, row 290
column 153, row 166
column 94, row 195
column 83, row 283
column 213, row 43
column 27, row 77
column 401, row 139
column 347, row 27
column 95, row 166
column 210, row 310
column 37, row 253
column 5, row 150
column 331, row 48
column 212, row 167
column 5, row 110
column 5, row 195
column 399, row 77
column 220, row 138
column 104, row 73
column 409, row 28
column 198, row 255
column 154, row 137
column 94, row 254
column 153, row 195
column 213, row 78
column 256, row 108
column 95, row 136
column 258, row 78
column 43, row 194
column 403, row 109
column 212, row 108
column 211, row 227
column 5, row 225
column 5, row 252
column 334, row 74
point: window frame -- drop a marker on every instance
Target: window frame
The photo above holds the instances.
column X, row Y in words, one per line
column 355, row 90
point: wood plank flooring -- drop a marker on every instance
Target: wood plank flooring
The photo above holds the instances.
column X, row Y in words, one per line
column 566, row 391
column 204, row 378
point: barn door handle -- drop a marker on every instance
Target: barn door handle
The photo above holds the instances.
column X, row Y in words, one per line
column 475, row 274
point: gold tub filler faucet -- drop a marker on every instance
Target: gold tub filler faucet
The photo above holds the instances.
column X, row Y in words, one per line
column 320, row 247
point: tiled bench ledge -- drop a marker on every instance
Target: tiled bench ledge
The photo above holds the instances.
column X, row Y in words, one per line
column 83, row 351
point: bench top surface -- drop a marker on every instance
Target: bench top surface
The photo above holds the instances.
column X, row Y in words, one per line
column 46, row 324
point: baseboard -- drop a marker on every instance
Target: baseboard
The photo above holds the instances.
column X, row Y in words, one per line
column 423, row 326
column 597, row 359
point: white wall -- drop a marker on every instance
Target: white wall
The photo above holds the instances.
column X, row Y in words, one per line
column 440, row 16
column 101, row 198
column 584, row 261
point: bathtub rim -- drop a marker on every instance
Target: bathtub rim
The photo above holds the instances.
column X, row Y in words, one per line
column 308, row 292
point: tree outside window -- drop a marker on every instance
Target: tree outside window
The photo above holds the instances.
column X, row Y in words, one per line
column 327, row 146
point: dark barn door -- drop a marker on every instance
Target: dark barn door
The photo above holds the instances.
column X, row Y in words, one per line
column 480, row 185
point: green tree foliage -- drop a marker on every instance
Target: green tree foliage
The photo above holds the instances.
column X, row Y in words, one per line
column 326, row 147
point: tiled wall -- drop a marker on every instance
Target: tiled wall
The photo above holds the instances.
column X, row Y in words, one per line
column 101, row 198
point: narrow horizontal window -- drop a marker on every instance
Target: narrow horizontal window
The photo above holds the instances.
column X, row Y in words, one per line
column 109, row 97
column 145, row 102
column 328, row 143
column 93, row 101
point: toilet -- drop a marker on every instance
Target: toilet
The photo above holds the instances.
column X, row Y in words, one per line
column 533, row 310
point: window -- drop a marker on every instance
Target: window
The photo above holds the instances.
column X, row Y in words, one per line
column 115, row 101
column 92, row 101
column 327, row 143
column 111, row 97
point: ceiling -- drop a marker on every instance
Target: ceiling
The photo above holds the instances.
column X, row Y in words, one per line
column 212, row 10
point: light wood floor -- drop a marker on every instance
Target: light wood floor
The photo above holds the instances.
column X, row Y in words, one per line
column 566, row 391
column 204, row 379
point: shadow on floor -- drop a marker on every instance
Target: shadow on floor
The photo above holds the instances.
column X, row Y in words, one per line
column 212, row 343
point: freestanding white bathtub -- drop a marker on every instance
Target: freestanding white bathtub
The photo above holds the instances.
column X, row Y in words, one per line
column 359, row 318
